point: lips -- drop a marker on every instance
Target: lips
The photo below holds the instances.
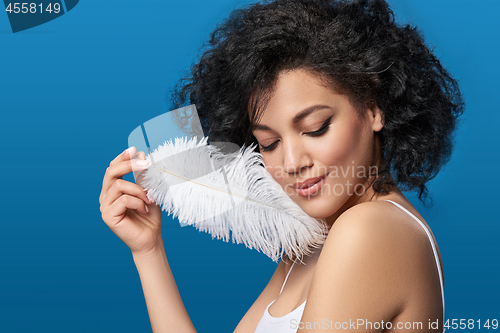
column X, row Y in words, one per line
column 307, row 183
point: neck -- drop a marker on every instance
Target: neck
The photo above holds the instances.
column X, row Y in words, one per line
column 367, row 195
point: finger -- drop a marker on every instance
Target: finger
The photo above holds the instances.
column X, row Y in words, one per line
column 139, row 176
column 122, row 187
column 125, row 155
column 113, row 213
column 116, row 171
column 141, row 155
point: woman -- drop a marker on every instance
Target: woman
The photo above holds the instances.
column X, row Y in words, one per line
column 347, row 109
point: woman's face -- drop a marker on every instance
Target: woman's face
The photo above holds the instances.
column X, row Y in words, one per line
column 315, row 145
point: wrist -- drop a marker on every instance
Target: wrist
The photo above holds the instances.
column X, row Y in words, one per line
column 158, row 250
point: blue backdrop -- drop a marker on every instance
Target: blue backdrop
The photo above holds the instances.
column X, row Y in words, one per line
column 72, row 90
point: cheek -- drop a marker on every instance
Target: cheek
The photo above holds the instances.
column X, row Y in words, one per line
column 344, row 147
column 274, row 169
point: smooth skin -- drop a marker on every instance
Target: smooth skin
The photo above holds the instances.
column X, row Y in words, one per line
column 123, row 208
column 123, row 205
column 376, row 264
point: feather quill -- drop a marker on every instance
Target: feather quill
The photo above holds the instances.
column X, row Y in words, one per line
column 230, row 195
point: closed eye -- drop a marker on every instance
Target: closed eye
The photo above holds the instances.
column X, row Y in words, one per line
column 270, row 147
column 322, row 129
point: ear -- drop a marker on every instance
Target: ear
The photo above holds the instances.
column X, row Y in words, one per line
column 376, row 116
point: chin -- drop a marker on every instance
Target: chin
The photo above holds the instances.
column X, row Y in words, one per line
column 318, row 209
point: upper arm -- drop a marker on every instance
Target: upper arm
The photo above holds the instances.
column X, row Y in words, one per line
column 249, row 322
column 358, row 274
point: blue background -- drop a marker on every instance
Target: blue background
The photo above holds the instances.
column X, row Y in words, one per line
column 73, row 89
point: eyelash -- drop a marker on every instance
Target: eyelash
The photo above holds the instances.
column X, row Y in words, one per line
column 322, row 130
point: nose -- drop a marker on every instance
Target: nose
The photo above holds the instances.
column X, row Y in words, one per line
column 295, row 157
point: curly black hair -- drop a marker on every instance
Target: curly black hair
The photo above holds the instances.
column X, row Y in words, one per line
column 359, row 50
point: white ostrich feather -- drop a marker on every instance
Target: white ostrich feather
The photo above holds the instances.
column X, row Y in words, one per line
column 230, row 195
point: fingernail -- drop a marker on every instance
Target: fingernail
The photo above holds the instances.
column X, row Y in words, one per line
column 129, row 150
column 147, row 209
column 142, row 162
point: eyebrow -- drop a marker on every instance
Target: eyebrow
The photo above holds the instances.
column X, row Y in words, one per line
column 301, row 115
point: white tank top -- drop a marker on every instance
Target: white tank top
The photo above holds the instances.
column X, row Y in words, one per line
column 289, row 322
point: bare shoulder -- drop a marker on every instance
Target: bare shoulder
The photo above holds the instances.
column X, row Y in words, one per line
column 378, row 224
column 366, row 225
column 369, row 264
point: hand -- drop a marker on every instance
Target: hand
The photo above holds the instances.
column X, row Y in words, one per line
column 125, row 207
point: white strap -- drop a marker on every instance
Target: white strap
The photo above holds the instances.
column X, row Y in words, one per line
column 433, row 249
column 286, row 278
